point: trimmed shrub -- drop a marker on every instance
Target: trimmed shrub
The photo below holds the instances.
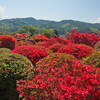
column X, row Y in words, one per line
column 79, row 51
column 39, row 37
column 55, row 47
column 78, row 82
column 12, row 68
column 63, row 41
column 83, row 38
column 47, row 43
column 8, row 41
column 4, row 50
column 55, row 60
column 93, row 59
column 24, row 39
column 32, row 52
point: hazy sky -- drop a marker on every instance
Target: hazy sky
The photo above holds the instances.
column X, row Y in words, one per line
column 56, row 10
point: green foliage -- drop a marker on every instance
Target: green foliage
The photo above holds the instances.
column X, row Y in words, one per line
column 4, row 50
column 11, row 25
column 93, row 59
column 12, row 68
column 55, row 60
column 97, row 46
column 49, row 32
column 29, row 29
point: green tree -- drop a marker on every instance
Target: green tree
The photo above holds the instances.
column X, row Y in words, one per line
column 29, row 29
column 49, row 32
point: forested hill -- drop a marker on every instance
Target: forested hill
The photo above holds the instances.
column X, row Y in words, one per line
column 12, row 25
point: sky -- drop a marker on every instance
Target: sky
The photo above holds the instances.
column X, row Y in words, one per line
column 55, row 10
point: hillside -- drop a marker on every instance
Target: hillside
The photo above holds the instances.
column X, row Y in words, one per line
column 11, row 25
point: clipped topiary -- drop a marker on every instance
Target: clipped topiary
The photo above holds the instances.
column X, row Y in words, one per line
column 4, row 50
column 93, row 59
column 23, row 39
column 78, row 50
column 39, row 37
column 78, row 82
column 55, row 60
column 34, row 53
column 55, row 47
column 8, row 41
column 12, row 67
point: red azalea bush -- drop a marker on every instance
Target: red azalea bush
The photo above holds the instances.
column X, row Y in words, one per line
column 47, row 43
column 32, row 52
column 24, row 39
column 8, row 41
column 55, row 47
column 1, row 36
column 83, row 38
column 79, row 82
column 79, row 51
column 55, row 60
column 63, row 41
column 39, row 37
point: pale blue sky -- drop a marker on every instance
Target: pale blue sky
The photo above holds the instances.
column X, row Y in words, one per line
column 56, row 10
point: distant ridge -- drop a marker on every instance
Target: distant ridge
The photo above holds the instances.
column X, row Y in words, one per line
column 11, row 25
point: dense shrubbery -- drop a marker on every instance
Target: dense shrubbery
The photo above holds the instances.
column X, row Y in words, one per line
column 79, row 51
column 24, row 39
column 47, row 43
column 39, row 37
column 56, row 74
column 55, row 47
column 55, row 60
column 93, row 59
column 4, row 50
column 83, row 38
column 12, row 67
column 32, row 52
column 8, row 41
column 77, row 82
column 97, row 46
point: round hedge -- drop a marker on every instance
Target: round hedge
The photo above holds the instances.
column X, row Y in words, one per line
column 34, row 53
column 8, row 41
column 78, row 82
column 78, row 50
column 12, row 67
column 55, row 60
column 4, row 50
column 93, row 59
column 55, row 47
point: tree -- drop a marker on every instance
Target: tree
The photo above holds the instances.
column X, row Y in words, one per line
column 29, row 29
column 49, row 32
